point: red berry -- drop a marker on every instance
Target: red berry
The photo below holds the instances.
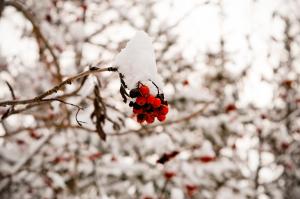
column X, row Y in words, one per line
column 150, row 119
column 169, row 174
column 20, row 142
column 285, row 145
column 185, row 82
column 288, row 83
column 230, row 107
column 164, row 110
column 144, row 90
column 34, row 134
column 206, row 158
column 150, row 99
column 137, row 111
column 161, row 118
column 141, row 101
column 191, row 189
column 113, row 158
column 156, row 103
column 48, row 18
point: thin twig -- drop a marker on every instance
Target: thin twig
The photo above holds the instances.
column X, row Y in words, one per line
column 67, row 103
column 32, row 105
column 11, row 90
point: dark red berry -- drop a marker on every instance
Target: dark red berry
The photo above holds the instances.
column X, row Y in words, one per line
column 285, row 145
column 20, row 142
column 148, row 108
column 134, row 93
column 169, row 174
column 288, row 83
column 185, row 82
column 34, row 134
column 230, row 107
column 191, row 189
column 141, row 118
column 147, row 197
column 48, row 18
column 155, row 113
column 206, row 158
column 137, row 111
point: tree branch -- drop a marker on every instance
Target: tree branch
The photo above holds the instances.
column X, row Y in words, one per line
column 38, row 32
column 92, row 70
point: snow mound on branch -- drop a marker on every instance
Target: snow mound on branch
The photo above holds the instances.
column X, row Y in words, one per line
column 137, row 62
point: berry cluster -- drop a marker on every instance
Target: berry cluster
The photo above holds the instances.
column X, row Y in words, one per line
column 146, row 106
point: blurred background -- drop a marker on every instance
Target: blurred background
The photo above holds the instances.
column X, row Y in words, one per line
column 231, row 77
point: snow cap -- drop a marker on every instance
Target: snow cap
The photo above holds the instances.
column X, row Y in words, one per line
column 137, row 62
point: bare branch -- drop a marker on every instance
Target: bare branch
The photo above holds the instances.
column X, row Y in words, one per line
column 58, row 87
column 38, row 32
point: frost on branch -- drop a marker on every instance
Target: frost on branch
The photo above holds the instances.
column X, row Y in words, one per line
column 137, row 67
